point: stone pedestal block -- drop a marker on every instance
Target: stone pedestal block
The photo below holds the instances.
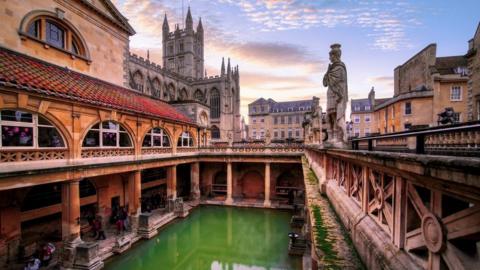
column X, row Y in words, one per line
column 122, row 243
column 146, row 228
column 86, row 257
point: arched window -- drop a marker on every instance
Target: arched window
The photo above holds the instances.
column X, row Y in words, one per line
column 138, row 81
column 214, row 103
column 28, row 130
column 198, row 95
column 156, row 88
column 185, row 140
column 56, row 33
column 169, row 93
column 183, row 94
column 215, row 132
column 107, row 134
column 156, row 137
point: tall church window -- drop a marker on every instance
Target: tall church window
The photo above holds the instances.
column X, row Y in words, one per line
column 156, row 88
column 183, row 94
column 138, row 81
column 156, row 137
column 214, row 103
column 21, row 129
column 215, row 132
column 107, row 134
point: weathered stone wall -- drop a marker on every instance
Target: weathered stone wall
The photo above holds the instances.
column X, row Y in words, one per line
column 415, row 73
column 473, row 95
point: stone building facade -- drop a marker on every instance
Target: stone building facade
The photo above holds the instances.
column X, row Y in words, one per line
column 277, row 120
column 473, row 94
column 362, row 115
column 181, row 80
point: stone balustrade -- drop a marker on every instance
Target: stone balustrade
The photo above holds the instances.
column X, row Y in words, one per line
column 404, row 211
column 12, row 155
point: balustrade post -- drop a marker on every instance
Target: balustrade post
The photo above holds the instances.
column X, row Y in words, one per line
column 365, row 192
column 400, row 212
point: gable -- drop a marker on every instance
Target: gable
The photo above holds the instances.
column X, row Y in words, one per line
column 107, row 9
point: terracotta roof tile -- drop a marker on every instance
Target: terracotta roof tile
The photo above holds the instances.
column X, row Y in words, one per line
column 41, row 77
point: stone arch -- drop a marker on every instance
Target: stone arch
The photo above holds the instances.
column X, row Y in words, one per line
column 165, row 131
column 56, row 123
column 199, row 96
column 156, row 86
column 31, row 16
column 169, row 93
column 183, row 94
column 129, row 131
column 137, row 81
column 252, row 184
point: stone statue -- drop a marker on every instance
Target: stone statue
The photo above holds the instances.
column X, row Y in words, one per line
column 312, row 124
column 337, row 97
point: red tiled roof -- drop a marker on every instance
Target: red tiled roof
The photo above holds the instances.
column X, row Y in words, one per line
column 37, row 76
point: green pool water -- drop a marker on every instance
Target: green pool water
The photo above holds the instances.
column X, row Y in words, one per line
column 214, row 238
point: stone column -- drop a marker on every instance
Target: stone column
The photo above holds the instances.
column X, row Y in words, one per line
column 195, row 178
column 134, row 194
column 229, row 199
column 172, row 182
column 267, row 202
column 71, row 212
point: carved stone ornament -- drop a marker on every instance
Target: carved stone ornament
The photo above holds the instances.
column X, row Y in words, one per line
column 433, row 234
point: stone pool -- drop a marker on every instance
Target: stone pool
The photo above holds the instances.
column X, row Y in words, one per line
column 214, row 237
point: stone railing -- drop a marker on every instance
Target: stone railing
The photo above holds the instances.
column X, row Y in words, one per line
column 107, row 152
column 254, row 149
column 32, row 155
column 156, row 151
column 405, row 211
column 186, row 149
column 459, row 140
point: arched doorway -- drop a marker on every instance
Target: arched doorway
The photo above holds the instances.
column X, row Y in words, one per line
column 253, row 185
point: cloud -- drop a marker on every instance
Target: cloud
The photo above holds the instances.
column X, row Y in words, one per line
column 386, row 22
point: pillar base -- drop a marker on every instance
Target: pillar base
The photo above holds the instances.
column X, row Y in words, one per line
column 229, row 201
column 146, row 228
column 122, row 243
column 86, row 257
column 267, row 203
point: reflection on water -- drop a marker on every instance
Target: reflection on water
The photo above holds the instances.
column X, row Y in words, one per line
column 222, row 238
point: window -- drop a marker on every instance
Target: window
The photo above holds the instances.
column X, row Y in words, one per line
column 367, row 107
column 254, row 109
column 357, row 132
column 297, row 119
column 408, row 108
column 254, row 120
column 282, row 120
column 107, row 134
column 254, row 134
column 456, row 93
column 367, row 131
column 138, row 81
column 297, row 133
column 262, row 133
column 156, row 137
column 456, row 117
column 282, row 133
column 289, row 119
column 170, row 48
column 356, row 119
column 275, row 120
column 290, row 133
column 367, row 118
column 215, row 103
column 56, row 33
column 262, row 120
column 262, row 109
column 215, row 132
column 357, row 108
column 275, row 134
column 407, row 126
column 185, row 140
column 181, row 47
column 198, row 95
column 26, row 130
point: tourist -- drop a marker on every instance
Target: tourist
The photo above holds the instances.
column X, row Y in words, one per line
column 98, row 228
column 47, row 254
column 32, row 264
column 119, row 225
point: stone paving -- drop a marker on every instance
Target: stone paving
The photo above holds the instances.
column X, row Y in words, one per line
column 334, row 247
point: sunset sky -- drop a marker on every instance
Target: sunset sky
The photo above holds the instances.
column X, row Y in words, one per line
column 282, row 46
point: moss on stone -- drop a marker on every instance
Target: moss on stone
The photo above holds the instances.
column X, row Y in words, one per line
column 321, row 236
